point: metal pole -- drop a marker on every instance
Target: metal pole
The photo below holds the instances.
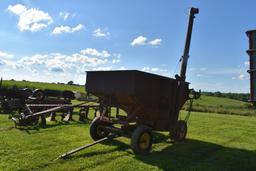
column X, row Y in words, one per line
column 110, row 137
column 185, row 56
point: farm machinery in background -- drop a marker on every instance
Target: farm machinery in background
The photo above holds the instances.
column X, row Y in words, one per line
column 26, row 106
column 151, row 103
column 12, row 99
column 41, row 100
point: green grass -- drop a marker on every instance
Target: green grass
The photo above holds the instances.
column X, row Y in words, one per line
column 41, row 85
column 222, row 105
column 214, row 142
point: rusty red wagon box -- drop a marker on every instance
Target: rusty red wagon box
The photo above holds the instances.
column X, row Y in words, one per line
column 146, row 98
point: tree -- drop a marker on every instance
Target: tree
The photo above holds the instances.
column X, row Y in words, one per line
column 70, row 82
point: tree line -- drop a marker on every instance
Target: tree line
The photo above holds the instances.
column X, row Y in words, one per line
column 237, row 96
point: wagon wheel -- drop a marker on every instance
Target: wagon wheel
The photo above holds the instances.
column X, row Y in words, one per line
column 96, row 129
column 69, row 95
column 141, row 141
column 27, row 92
column 180, row 131
column 6, row 107
column 39, row 94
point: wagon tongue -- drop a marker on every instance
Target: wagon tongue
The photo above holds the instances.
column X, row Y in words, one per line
column 110, row 137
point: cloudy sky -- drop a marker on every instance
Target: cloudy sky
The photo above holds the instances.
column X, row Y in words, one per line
column 57, row 41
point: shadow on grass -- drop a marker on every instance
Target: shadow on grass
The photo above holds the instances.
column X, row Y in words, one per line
column 198, row 155
column 187, row 155
column 53, row 124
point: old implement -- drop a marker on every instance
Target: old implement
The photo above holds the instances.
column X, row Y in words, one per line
column 150, row 102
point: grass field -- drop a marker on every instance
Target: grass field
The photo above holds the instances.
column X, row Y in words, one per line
column 41, row 85
column 222, row 105
column 214, row 142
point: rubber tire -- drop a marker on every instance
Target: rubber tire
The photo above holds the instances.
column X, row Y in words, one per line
column 136, row 135
column 39, row 94
column 6, row 107
column 68, row 95
column 177, row 136
column 94, row 129
column 27, row 92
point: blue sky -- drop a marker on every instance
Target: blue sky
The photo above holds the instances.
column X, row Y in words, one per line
column 56, row 41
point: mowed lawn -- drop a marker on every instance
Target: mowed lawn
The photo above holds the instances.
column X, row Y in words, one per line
column 214, row 142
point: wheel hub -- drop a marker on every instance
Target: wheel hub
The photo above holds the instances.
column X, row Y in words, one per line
column 144, row 140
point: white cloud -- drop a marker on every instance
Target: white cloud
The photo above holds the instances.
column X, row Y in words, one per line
column 102, row 68
column 61, row 29
column 66, row 29
column 246, row 64
column 5, row 54
column 2, row 62
column 241, row 77
column 146, row 69
column 115, row 61
column 94, row 52
column 30, row 19
column 156, row 70
column 32, row 60
column 100, row 33
column 17, row 9
column 64, row 15
column 57, row 66
column 77, row 28
column 77, row 63
column 141, row 40
column 117, row 58
column 155, row 42
column 57, row 62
